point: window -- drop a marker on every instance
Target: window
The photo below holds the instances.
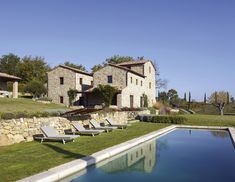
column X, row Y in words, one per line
column 141, row 83
column 150, row 85
column 131, row 79
column 61, row 99
column 110, row 79
column 61, row 80
column 81, row 81
column 136, row 81
column 149, row 69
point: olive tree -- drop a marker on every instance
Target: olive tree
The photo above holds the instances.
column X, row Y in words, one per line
column 219, row 100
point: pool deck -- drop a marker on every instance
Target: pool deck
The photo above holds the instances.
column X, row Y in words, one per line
column 64, row 170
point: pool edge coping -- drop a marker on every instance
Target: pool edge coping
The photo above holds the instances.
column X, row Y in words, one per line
column 64, row 170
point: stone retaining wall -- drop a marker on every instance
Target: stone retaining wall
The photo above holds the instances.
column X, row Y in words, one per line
column 22, row 130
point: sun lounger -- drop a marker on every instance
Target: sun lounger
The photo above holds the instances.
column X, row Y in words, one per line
column 112, row 123
column 83, row 131
column 49, row 133
column 96, row 125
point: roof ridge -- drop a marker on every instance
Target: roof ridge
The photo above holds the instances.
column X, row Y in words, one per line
column 74, row 69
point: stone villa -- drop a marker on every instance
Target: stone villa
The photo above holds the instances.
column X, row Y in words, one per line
column 134, row 80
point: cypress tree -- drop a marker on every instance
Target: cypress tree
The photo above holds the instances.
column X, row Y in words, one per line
column 228, row 98
column 185, row 97
column 189, row 100
column 205, row 98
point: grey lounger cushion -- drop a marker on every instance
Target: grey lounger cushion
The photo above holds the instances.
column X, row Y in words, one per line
column 96, row 125
column 51, row 134
column 81, row 130
column 112, row 123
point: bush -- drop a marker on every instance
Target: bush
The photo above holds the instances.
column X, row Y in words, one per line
column 45, row 99
column 72, row 93
column 164, row 119
column 152, row 110
column 7, row 116
column 132, row 109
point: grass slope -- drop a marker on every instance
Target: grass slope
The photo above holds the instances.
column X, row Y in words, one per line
column 210, row 120
column 25, row 105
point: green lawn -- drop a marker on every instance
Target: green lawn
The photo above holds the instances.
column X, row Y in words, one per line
column 210, row 120
column 21, row 160
column 25, row 105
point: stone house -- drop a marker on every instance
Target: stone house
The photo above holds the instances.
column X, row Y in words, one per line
column 63, row 78
column 4, row 78
column 134, row 80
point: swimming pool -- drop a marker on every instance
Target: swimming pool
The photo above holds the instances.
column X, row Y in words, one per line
column 181, row 155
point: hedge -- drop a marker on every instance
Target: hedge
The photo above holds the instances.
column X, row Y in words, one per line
column 18, row 115
column 163, row 119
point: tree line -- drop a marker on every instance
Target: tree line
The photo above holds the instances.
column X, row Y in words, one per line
column 219, row 99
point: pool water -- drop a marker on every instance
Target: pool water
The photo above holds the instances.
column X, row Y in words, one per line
column 182, row 155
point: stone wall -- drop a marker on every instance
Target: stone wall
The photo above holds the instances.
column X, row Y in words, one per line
column 18, row 130
column 22, row 130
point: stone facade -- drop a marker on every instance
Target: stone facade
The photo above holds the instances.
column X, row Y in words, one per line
column 71, row 80
column 134, row 81
column 22, row 130
column 135, row 89
column 150, row 84
column 119, row 78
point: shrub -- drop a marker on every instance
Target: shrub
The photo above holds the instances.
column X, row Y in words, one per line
column 157, row 105
column 132, row 109
column 164, row 119
column 36, row 88
column 18, row 115
column 72, row 93
column 106, row 92
column 7, row 116
column 152, row 110
column 45, row 99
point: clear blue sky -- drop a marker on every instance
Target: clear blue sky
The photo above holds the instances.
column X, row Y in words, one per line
column 193, row 41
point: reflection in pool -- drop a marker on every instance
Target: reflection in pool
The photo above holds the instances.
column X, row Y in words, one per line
column 139, row 159
column 182, row 155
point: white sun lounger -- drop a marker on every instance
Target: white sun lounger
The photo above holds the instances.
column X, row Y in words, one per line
column 83, row 131
column 113, row 123
column 49, row 133
column 96, row 125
